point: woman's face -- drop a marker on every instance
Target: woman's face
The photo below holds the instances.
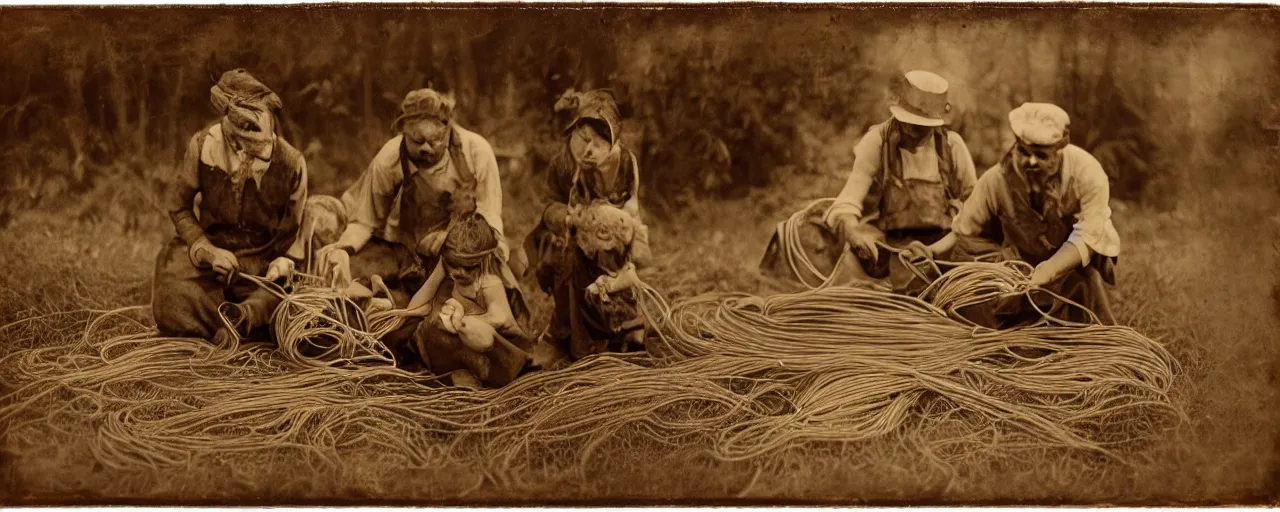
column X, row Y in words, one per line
column 588, row 147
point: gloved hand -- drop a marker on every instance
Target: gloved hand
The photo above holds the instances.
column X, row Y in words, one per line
column 222, row 261
column 431, row 244
column 281, row 267
column 917, row 251
column 861, row 240
column 335, row 264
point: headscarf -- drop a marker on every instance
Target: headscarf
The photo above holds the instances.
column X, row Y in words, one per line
column 598, row 104
column 247, row 106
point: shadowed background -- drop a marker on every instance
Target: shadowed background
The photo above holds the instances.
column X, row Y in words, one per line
column 739, row 116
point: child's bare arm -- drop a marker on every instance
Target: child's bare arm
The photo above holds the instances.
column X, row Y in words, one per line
column 498, row 313
column 420, row 304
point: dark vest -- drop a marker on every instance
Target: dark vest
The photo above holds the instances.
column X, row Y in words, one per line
column 425, row 208
column 1034, row 231
column 252, row 218
column 911, row 204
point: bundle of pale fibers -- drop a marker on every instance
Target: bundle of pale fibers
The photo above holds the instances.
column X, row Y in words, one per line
column 738, row 377
column 859, row 361
column 318, row 325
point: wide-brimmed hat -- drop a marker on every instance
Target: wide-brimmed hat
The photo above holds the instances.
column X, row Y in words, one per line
column 919, row 98
column 598, row 104
column 424, row 103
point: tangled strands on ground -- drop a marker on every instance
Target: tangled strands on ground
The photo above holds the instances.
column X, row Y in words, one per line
column 740, row 378
column 793, row 249
column 860, row 364
column 316, row 325
column 159, row 403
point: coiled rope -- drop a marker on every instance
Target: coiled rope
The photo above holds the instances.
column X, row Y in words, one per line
column 732, row 376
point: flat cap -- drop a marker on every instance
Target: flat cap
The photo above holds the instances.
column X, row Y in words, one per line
column 1042, row 124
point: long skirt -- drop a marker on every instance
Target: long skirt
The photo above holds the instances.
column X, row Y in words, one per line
column 443, row 352
column 582, row 324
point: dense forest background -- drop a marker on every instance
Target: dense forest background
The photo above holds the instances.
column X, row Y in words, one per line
column 95, row 105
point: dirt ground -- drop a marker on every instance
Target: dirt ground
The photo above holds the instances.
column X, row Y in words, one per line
column 1196, row 279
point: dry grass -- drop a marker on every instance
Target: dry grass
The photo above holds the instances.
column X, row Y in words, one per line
column 1218, row 321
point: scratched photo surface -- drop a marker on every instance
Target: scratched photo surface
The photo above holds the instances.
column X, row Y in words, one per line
column 683, row 255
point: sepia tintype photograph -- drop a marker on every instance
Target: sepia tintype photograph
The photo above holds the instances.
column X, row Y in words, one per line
column 624, row 254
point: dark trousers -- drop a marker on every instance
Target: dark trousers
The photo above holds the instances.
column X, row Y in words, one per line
column 185, row 299
column 401, row 271
column 1084, row 286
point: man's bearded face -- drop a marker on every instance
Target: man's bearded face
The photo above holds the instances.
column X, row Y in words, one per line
column 426, row 141
column 1037, row 160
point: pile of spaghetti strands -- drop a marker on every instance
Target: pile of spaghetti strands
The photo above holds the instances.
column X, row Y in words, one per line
column 316, row 325
column 733, row 377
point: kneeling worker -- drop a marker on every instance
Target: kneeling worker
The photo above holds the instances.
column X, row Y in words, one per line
column 1047, row 200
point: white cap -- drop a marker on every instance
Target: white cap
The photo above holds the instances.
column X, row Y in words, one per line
column 1042, row 124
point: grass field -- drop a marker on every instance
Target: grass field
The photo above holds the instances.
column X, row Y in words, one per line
column 1199, row 279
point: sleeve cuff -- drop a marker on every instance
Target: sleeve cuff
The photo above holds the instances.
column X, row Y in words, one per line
column 504, row 248
column 840, row 214
column 962, row 228
column 188, row 229
column 1077, row 240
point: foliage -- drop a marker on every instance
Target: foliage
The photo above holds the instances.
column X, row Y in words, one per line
column 722, row 110
column 718, row 104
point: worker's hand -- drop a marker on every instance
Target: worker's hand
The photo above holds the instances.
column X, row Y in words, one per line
column 600, row 288
column 477, row 336
column 204, row 253
column 334, row 261
column 279, row 268
column 451, row 315
column 1044, row 274
column 335, row 264
column 918, row 251
column 557, row 218
column 861, row 241
column 431, row 244
column 378, row 305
